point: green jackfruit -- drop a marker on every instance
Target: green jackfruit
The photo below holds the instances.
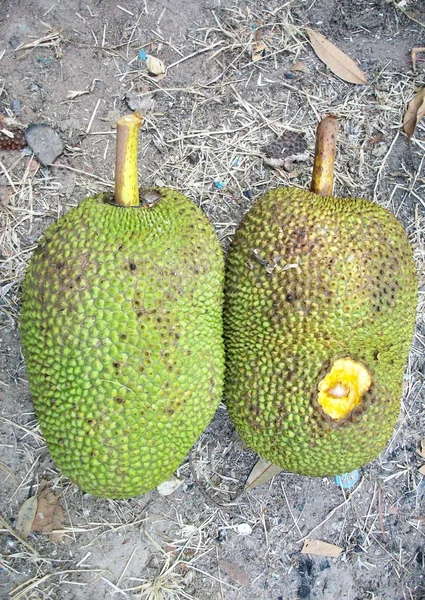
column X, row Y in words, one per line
column 121, row 327
column 320, row 302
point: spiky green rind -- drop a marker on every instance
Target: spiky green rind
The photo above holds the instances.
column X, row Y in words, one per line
column 122, row 334
column 311, row 279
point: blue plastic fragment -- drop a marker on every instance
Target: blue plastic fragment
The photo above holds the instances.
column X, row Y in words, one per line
column 142, row 55
column 347, row 480
column 219, row 185
column 236, row 162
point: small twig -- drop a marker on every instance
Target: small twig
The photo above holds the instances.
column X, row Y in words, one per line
column 381, row 518
column 413, row 53
column 207, row 49
column 406, row 14
column 205, row 494
column 93, row 116
column 332, row 512
column 3, row 168
column 61, row 166
column 381, row 168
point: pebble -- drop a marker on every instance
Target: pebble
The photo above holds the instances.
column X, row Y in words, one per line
column 244, row 529
column 44, row 142
column 14, row 42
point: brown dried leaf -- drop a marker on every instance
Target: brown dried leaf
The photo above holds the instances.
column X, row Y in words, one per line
column 299, row 66
column 258, row 51
column 50, row 515
column 320, row 548
column 414, row 113
column 155, row 66
column 262, row 472
column 26, row 516
column 334, row 58
column 422, row 470
column 236, row 572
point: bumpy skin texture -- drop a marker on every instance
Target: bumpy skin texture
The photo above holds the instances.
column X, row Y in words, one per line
column 122, row 334
column 311, row 279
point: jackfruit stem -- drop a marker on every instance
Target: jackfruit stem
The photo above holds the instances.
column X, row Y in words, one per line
column 126, row 184
column 323, row 170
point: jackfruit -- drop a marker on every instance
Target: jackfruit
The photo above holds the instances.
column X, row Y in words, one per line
column 320, row 304
column 121, row 327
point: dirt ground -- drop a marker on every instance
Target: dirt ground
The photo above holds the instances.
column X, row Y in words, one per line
column 207, row 123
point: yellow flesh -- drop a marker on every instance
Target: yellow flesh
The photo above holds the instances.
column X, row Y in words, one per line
column 343, row 387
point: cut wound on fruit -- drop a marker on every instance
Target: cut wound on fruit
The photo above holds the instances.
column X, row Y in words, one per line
column 343, row 388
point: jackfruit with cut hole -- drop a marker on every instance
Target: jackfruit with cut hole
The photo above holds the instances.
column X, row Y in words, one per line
column 121, row 327
column 320, row 303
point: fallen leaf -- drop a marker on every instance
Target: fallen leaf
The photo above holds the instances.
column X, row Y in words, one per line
column 334, row 58
column 259, row 51
column 155, row 66
column 414, row 113
column 236, row 572
column 299, row 66
column 422, row 470
column 169, row 487
column 320, row 548
column 421, row 448
column 49, row 516
column 262, row 472
column 26, row 516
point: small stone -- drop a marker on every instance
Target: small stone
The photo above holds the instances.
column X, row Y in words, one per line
column 44, row 142
column 144, row 104
column 14, row 42
column 244, row 529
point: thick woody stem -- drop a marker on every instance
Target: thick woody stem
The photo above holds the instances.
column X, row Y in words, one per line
column 323, row 171
column 126, row 184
